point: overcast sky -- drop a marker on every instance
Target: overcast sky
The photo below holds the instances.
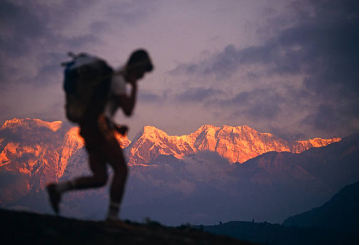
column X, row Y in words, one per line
column 279, row 66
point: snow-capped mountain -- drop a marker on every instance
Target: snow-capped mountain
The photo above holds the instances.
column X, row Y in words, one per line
column 41, row 151
column 205, row 187
column 212, row 173
column 34, row 152
column 237, row 144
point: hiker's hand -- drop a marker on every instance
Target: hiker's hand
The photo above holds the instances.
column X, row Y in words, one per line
column 121, row 129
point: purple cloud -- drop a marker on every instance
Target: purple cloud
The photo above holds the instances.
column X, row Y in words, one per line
column 199, row 95
column 322, row 47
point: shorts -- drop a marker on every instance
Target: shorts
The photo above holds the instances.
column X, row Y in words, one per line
column 98, row 135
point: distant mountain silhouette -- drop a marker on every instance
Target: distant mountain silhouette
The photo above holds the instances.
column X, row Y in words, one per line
column 334, row 223
column 267, row 233
column 31, row 228
column 341, row 213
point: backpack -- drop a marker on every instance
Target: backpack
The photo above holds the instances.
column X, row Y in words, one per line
column 86, row 84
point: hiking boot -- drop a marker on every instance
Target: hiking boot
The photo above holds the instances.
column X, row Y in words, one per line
column 54, row 196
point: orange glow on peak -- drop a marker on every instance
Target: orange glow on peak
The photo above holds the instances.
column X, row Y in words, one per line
column 318, row 142
column 74, row 134
column 237, row 144
column 27, row 122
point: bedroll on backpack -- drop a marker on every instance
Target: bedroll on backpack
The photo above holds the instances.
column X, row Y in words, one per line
column 86, row 78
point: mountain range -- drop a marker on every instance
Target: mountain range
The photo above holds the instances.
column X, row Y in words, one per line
column 236, row 144
column 215, row 173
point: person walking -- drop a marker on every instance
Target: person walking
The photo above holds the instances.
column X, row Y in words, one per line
column 99, row 136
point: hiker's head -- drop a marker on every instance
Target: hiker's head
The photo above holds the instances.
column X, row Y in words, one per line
column 138, row 64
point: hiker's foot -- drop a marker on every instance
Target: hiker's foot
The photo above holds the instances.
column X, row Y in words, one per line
column 54, row 196
column 117, row 223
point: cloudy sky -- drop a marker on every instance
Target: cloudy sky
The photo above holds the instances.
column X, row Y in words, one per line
column 284, row 67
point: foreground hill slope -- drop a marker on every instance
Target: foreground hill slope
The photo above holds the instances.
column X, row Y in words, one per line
column 31, row 228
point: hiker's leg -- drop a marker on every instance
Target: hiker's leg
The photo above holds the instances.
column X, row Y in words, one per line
column 97, row 162
column 98, row 167
column 116, row 159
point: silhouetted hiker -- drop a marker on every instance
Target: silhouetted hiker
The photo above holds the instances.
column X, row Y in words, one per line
column 99, row 135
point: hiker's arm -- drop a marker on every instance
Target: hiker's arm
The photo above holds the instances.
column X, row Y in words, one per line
column 127, row 103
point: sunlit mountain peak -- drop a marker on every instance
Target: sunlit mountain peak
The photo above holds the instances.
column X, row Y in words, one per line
column 237, row 144
column 31, row 123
